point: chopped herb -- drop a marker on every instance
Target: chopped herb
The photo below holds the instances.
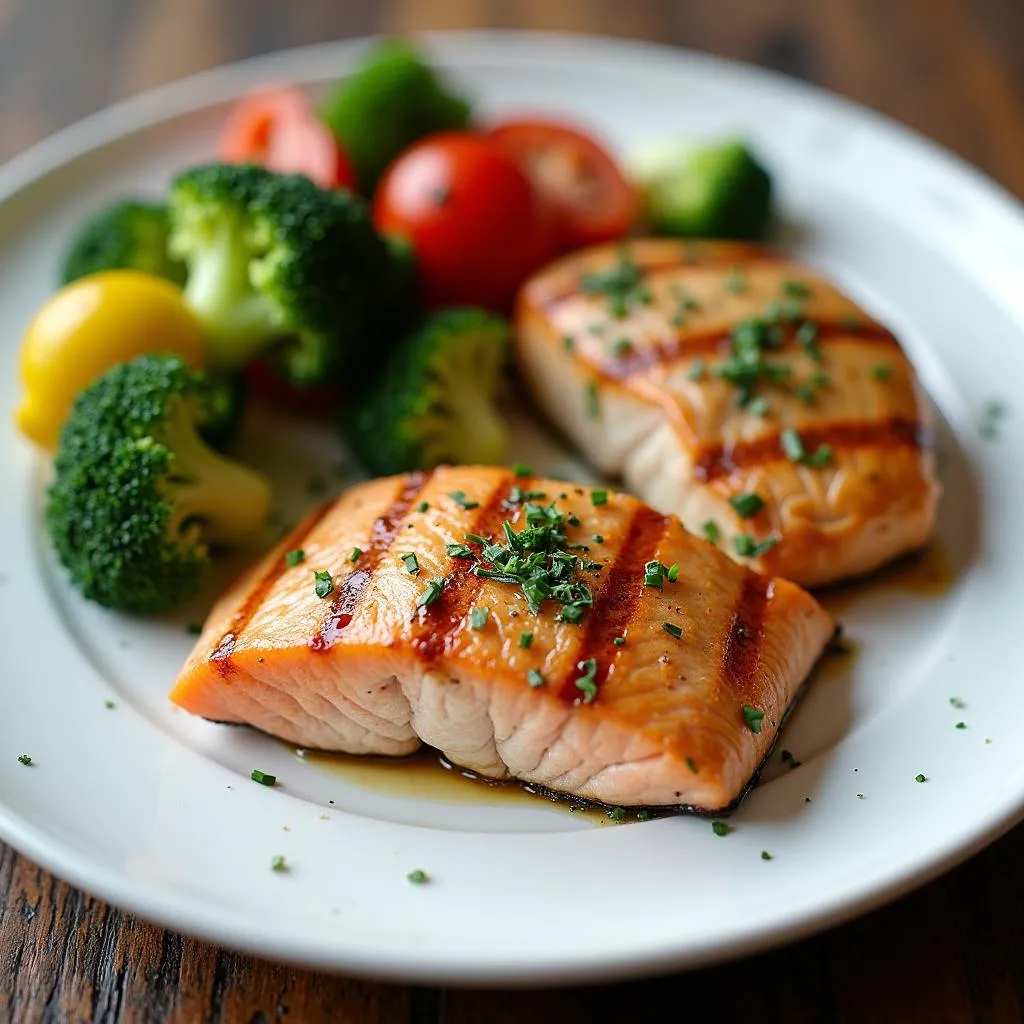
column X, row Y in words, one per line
column 323, row 584
column 617, row 813
column 785, row 755
column 881, row 371
column 757, row 406
column 654, row 575
column 586, row 683
column 796, row 289
column 673, row 572
column 574, row 520
column 460, row 499
column 920, row 778
column 711, row 531
column 697, row 370
column 765, row 855
column 956, row 702
column 593, row 401
column 720, row 828
column 747, row 547
column 747, row 366
column 622, row 284
column 430, row 594
column 597, row 538
column 195, row 628
column 793, row 447
column 860, row 796
column 753, row 717
column 478, row 617
column 960, row 725
column 993, row 413
column 568, row 343
column 599, row 497
column 805, row 394
column 619, row 641
column 534, row 678
column 109, row 705
column 692, row 765
column 458, row 551
column 277, row 863
column 263, row 778
column 517, row 496
column 357, row 553
column 526, row 640
column 807, row 338
column 24, row 759
column 736, row 282
column 412, row 563
column 422, row 506
column 672, row 629
column 521, row 469
column 621, row 347
column 850, row 322
column 747, row 504
column 295, row 557
column 643, row 814
column 418, row 876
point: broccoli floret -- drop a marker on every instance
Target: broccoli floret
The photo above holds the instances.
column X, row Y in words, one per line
column 433, row 399
column 223, row 402
column 137, row 496
column 129, row 235
column 392, row 100
column 272, row 258
column 712, row 191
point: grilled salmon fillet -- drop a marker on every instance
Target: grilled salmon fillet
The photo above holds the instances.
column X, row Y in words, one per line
column 527, row 628
column 735, row 388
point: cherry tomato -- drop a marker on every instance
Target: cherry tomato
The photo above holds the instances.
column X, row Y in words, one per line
column 278, row 128
column 319, row 402
column 477, row 225
column 591, row 198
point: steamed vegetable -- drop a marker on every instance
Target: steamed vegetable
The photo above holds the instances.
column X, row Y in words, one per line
column 434, row 400
column 87, row 327
column 392, row 100
column 705, row 191
column 138, row 498
column 272, row 258
column 127, row 235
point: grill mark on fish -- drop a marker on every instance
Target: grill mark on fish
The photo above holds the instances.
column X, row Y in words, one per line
column 742, row 651
column 720, row 460
column 350, row 588
column 439, row 622
column 617, row 601
column 691, row 344
column 221, row 656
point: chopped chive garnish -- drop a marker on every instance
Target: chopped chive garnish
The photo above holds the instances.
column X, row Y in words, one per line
column 993, row 413
column 747, row 547
column 568, row 343
column 422, row 506
column 295, row 557
column 24, row 759
column 956, row 702
column 574, row 520
column 807, row 338
column 323, row 583
column 597, row 538
column 586, row 683
column 478, row 617
column 357, row 553
column 599, row 497
column 673, row 572
column 263, row 778
column 617, row 813
column 881, row 371
column 796, row 289
column 622, row 284
column 654, row 575
column 672, row 629
column 711, row 531
column 621, row 347
column 430, row 594
column 593, row 401
column 720, row 828
column 765, row 855
column 460, row 499
column 793, row 447
column 619, row 641
column 521, row 469
column 692, row 765
column 458, row 551
column 960, row 725
column 753, row 717
column 747, row 504
column 277, row 863
column 920, row 778
column 412, row 563
column 757, row 406
column 696, row 371
column 526, row 640
column 109, row 705
column 534, row 678
column 418, row 876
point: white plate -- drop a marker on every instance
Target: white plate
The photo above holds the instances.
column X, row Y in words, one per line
column 154, row 811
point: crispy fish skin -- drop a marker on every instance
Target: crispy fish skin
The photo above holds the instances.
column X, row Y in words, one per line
column 638, row 395
column 373, row 669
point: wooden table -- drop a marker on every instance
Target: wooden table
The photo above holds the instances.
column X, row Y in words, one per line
column 952, row 952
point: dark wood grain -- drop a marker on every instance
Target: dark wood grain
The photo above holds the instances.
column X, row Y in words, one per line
column 953, row 952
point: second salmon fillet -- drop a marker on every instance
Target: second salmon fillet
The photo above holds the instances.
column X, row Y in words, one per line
column 527, row 628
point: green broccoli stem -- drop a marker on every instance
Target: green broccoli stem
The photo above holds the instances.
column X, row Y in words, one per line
column 220, row 293
column 231, row 501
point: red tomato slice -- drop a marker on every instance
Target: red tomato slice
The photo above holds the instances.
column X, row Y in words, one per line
column 277, row 127
column 591, row 198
